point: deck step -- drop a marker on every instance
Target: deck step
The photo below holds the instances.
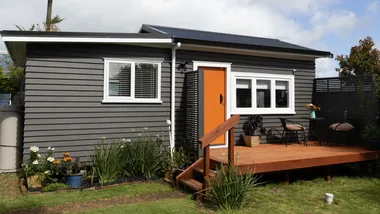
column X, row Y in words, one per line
column 200, row 172
column 192, row 184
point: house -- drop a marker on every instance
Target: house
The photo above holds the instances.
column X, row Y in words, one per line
column 83, row 86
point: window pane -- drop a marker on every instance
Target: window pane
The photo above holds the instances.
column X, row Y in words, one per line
column 119, row 79
column 282, row 94
column 146, row 80
column 263, row 93
column 243, row 93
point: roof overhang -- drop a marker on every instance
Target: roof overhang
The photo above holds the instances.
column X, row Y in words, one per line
column 252, row 52
column 16, row 41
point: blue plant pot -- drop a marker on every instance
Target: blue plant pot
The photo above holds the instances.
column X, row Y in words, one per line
column 74, row 181
column 312, row 113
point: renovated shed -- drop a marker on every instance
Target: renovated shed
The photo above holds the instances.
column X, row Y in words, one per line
column 80, row 87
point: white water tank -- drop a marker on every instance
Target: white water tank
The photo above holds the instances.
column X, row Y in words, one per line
column 11, row 127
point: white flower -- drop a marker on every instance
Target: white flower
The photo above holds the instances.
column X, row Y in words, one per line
column 122, row 146
column 139, row 134
column 82, row 171
column 38, row 155
column 157, row 135
column 128, row 140
column 35, row 162
column 145, row 128
column 49, row 148
column 52, row 149
column 50, row 159
column 103, row 138
column 169, row 122
column 47, row 172
column 133, row 130
column 34, row 149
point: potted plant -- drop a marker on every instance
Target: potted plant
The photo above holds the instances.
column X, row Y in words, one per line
column 372, row 133
column 73, row 171
column 33, row 168
column 312, row 108
column 174, row 163
column 253, row 130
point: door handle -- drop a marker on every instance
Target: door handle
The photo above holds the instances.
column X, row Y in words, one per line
column 221, row 98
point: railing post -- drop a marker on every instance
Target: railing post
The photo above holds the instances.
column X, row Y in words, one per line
column 206, row 167
column 231, row 146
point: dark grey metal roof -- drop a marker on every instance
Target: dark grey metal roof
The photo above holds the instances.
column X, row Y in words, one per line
column 83, row 34
column 229, row 40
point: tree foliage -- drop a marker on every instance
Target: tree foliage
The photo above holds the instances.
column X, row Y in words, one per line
column 364, row 59
column 50, row 26
column 11, row 81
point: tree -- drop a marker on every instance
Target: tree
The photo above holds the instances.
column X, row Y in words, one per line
column 51, row 24
column 11, row 81
column 364, row 59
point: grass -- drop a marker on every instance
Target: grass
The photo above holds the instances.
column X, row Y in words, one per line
column 185, row 206
column 351, row 195
column 15, row 201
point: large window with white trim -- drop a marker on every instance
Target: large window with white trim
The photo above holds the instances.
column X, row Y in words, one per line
column 132, row 81
column 255, row 93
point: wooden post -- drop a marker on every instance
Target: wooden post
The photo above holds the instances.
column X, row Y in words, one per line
column 206, row 167
column 328, row 173
column 287, row 177
column 231, row 147
column 364, row 167
column 374, row 166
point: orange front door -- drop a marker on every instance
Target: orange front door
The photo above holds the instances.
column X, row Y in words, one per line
column 214, row 100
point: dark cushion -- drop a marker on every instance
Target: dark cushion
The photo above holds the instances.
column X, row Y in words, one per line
column 294, row 127
column 342, row 127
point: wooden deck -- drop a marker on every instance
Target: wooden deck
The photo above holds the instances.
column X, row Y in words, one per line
column 277, row 157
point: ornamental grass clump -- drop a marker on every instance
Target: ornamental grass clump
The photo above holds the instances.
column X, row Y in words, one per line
column 106, row 162
column 228, row 190
column 141, row 157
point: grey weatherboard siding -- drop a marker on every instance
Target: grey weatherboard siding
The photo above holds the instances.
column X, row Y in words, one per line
column 303, row 86
column 64, row 92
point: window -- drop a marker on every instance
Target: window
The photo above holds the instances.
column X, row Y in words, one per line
column 132, row 81
column 254, row 93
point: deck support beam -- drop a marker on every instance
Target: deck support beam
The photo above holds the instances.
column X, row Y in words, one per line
column 374, row 166
column 287, row 177
column 328, row 178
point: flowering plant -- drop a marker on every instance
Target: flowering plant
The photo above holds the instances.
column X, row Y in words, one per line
column 33, row 164
column 312, row 107
column 72, row 166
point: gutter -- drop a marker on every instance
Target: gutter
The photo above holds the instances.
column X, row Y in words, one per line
column 172, row 105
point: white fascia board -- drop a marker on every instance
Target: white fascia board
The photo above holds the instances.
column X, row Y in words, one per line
column 84, row 40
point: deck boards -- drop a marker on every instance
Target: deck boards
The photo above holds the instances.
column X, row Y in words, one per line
column 278, row 157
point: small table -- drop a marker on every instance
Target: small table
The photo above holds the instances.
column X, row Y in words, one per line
column 312, row 128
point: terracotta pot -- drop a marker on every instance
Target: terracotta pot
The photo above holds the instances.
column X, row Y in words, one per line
column 252, row 141
column 34, row 181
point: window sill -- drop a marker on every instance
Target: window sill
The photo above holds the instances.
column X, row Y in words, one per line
column 264, row 113
column 133, row 101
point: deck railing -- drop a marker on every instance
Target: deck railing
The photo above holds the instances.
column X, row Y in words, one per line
column 206, row 140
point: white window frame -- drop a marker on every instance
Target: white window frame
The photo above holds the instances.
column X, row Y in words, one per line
column 131, row 99
column 260, row 76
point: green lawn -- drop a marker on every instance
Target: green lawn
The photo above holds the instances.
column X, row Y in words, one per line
column 183, row 206
column 352, row 195
column 11, row 201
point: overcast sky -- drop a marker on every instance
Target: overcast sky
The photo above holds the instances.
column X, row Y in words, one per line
column 332, row 25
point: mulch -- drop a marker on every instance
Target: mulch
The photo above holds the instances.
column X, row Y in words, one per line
column 101, row 203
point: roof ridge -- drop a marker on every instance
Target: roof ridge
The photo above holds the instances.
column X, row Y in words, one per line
column 220, row 33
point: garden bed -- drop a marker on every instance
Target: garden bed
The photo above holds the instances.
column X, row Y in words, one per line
column 86, row 186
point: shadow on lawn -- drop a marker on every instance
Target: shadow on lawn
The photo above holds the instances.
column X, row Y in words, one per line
column 369, row 194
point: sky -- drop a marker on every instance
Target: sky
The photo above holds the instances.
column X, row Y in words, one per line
column 330, row 25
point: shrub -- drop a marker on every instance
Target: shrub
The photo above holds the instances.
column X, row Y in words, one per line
column 371, row 131
column 228, row 190
column 106, row 162
column 141, row 157
column 54, row 187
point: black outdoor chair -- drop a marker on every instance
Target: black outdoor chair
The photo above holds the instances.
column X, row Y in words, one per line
column 341, row 127
column 289, row 127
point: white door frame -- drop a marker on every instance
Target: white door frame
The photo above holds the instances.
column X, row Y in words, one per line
column 227, row 66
